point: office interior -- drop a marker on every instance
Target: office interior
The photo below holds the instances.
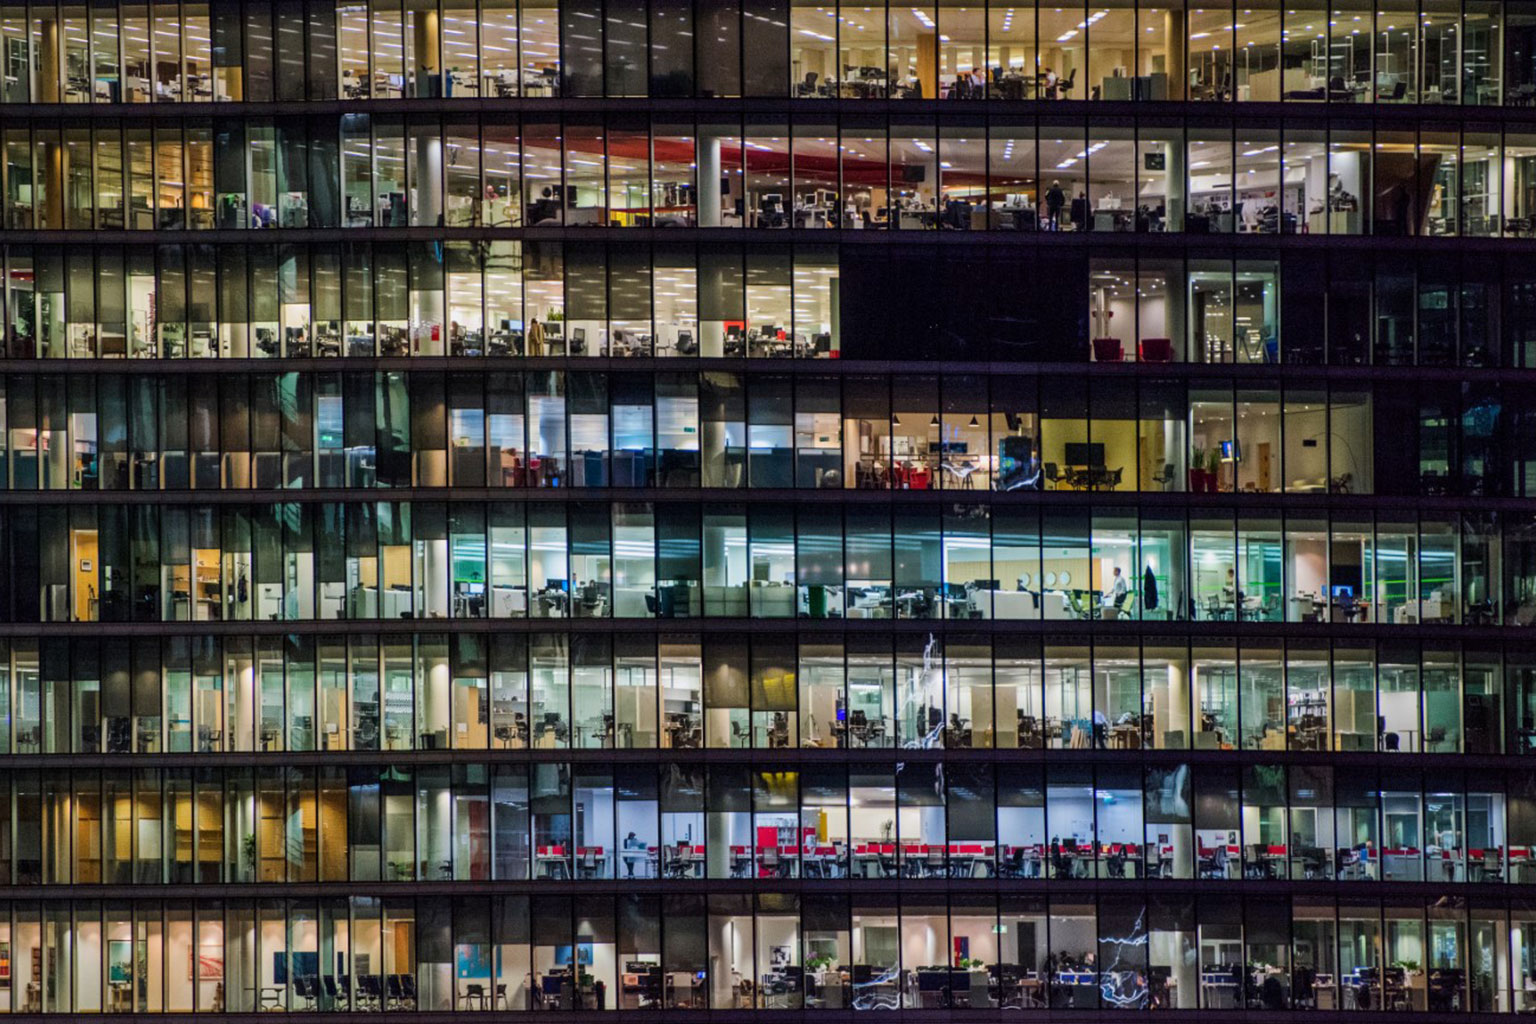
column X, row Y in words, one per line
column 541, row 693
column 1116, row 50
column 641, row 560
column 983, row 173
column 872, row 823
column 769, row 951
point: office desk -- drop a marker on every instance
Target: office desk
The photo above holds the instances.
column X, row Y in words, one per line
column 1112, row 219
column 1097, row 477
column 551, row 862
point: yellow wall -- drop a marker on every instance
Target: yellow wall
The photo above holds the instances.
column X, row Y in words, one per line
column 85, row 582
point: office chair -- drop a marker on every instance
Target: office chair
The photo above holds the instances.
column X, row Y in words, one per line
column 1051, row 474
column 1493, row 869
column 1064, row 87
column 808, row 87
column 1165, row 478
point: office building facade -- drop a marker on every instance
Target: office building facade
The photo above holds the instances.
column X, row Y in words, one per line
column 768, row 508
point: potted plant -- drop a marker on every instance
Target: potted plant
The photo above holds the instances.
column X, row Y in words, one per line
column 818, row 962
column 1212, row 471
column 1197, row 470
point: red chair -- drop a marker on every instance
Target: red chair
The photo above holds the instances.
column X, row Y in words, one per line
column 1156, row 350
column 1108, row 350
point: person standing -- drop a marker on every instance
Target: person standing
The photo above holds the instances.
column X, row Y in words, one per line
column 1055, row 200
column 1115, row 592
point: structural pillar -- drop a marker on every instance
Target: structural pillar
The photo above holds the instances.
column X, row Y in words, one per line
column 48, row 72
column 429, row 53
column 709, row 179
column 1176, row 31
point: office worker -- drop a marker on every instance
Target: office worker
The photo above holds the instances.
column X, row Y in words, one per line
column 1055, row 199
column 1115, row 592
column 1080, row 213
column 632, row 842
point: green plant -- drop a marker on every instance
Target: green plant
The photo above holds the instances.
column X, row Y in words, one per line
column 1411, row 966
column 1197, row 458
column 819, row 961
column 970, row 962
column 1213, row 461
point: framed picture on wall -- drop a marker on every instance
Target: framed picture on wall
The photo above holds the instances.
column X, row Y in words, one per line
column 206, row 962
column 5, row 965
column 119, row 962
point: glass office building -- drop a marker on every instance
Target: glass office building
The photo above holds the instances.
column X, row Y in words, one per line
column 768, row 509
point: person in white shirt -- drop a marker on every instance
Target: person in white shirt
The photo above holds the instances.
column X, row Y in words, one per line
column 1115, row 592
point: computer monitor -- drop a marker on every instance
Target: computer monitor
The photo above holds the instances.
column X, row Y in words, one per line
column 1081, row 453
column 766, row 331
column 1343, row 592
column 473, row 589
column 551, row 985
column 554, row 584
column 1230, row 452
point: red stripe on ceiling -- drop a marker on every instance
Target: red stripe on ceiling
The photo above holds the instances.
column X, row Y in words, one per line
column 816, row 167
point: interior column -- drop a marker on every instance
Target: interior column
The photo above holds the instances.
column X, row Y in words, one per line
column 928, row 65
column 709, row 179
column 429, row 57
column 1175, row 28
column 48, row 73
